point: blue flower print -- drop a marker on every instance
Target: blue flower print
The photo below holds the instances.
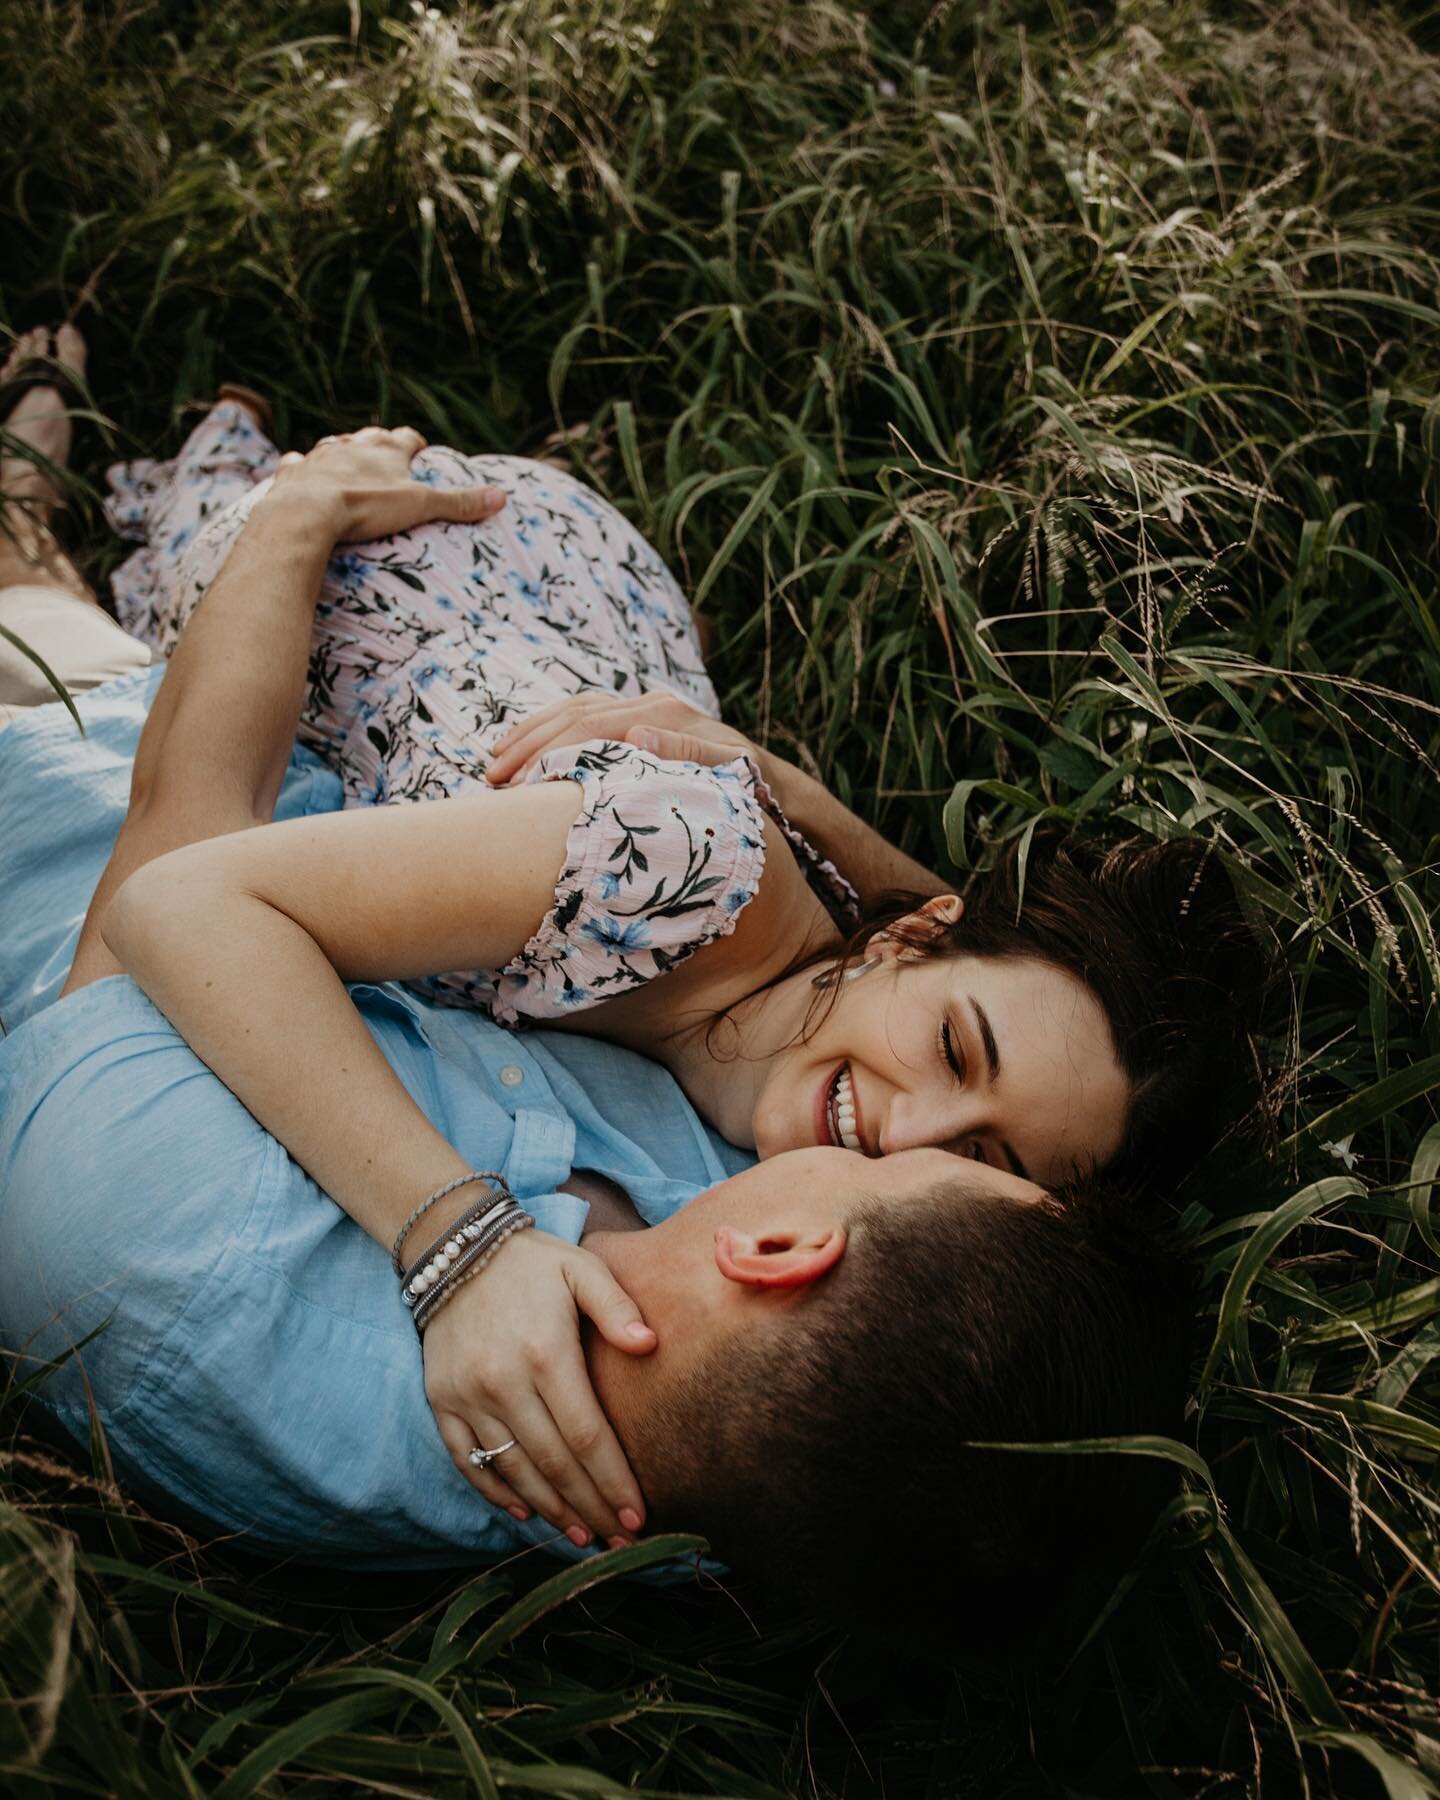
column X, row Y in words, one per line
column 613, row 935
column 425, row 652
column 526, row 590
column 347, row 568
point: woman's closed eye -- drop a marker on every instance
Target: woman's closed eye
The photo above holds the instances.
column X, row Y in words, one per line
column 954, row 1058
column 950, row 1052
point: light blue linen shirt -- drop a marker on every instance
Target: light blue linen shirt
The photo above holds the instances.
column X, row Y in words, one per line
column 244, row 1340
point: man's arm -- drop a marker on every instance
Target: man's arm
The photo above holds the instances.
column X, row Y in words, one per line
column 214, row 749
column 671, row 728
column 869, row 863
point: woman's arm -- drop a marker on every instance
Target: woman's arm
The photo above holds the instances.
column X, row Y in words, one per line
column 215, row 745
column 668, row 727
column 244, row 942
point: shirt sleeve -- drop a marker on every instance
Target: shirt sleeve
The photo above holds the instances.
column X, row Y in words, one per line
column 660, row 860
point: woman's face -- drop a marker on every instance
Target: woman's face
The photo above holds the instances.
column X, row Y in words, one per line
column 1002, row 1059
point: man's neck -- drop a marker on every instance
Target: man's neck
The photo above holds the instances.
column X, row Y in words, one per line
column 611, row 1208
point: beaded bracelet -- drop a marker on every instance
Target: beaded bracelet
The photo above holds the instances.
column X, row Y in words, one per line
column 498, row 1182
column 442, row 1255
column 445, row 1291
column 478, row 1214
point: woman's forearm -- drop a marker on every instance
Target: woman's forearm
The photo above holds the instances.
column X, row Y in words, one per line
column 871, row 864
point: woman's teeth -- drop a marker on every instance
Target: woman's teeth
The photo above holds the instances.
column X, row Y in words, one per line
column 845, row 1111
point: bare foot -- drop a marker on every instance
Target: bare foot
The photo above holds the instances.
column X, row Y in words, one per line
column 40, row 419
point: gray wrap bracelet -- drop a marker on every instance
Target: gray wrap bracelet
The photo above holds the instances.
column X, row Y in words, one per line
column 496, row 1181
column 468, row 1265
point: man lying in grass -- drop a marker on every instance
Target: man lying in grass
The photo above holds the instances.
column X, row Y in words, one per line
column 788, row 1343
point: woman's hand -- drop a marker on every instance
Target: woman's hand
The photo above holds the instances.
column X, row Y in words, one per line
column 503, row 1360
column 663, row 724
column 359, row 485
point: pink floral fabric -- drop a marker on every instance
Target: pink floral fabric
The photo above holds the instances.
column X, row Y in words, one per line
column 428, row 647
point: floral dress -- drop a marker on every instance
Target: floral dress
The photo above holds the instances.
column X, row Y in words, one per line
column 431, row 644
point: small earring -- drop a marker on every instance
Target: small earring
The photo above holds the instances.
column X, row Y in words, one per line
column 832, row 977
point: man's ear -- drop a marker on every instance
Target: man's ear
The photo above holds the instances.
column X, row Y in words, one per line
column 778, row 1259
column 933, row 916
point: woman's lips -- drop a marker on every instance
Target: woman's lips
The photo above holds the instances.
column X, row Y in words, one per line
column 829, row 1125
column 823, row 1132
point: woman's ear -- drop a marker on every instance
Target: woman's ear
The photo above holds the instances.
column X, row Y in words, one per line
column 778, row 1259
column 937, row 913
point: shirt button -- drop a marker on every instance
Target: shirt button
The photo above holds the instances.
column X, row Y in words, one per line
column 512, row 1075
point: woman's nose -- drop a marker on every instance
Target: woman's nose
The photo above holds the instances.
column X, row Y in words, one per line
column 917, row 1121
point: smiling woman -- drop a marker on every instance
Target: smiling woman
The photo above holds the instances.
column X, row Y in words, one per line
column 1006, row 1058
column 1089, row 1007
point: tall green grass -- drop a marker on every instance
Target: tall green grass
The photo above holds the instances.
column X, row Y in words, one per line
column 1041, row 401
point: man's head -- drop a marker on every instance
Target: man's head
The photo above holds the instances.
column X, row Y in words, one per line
column 838, row 1334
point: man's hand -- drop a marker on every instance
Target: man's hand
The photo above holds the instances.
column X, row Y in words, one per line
column 663, row 724
column 358, row 485
column 504, row 1360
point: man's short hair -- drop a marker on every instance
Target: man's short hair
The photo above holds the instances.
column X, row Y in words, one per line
column 838, row 1457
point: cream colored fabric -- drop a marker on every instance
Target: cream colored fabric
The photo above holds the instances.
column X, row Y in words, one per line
column 83, row 645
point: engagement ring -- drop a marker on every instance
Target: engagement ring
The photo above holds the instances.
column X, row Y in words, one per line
column 482, row 1459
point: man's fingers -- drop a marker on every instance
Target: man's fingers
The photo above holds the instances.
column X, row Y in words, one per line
column 678, row 746
column 467, row 506
column 408, row 439
column 524, row 738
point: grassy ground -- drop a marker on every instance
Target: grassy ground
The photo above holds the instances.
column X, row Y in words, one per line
column 1037, row 397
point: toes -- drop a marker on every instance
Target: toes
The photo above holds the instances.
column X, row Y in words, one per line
column 35, row 342
column 70, row 348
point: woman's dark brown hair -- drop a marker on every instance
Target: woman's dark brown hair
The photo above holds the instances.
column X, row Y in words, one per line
column 1157, row 932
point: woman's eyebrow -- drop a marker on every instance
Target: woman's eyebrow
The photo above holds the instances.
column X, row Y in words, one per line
column 992, row 1058
column 987, row 1036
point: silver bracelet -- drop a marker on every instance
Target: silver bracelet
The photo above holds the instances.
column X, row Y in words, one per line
column 498, row 1182
column 446, row 1290
column 468, row 1230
